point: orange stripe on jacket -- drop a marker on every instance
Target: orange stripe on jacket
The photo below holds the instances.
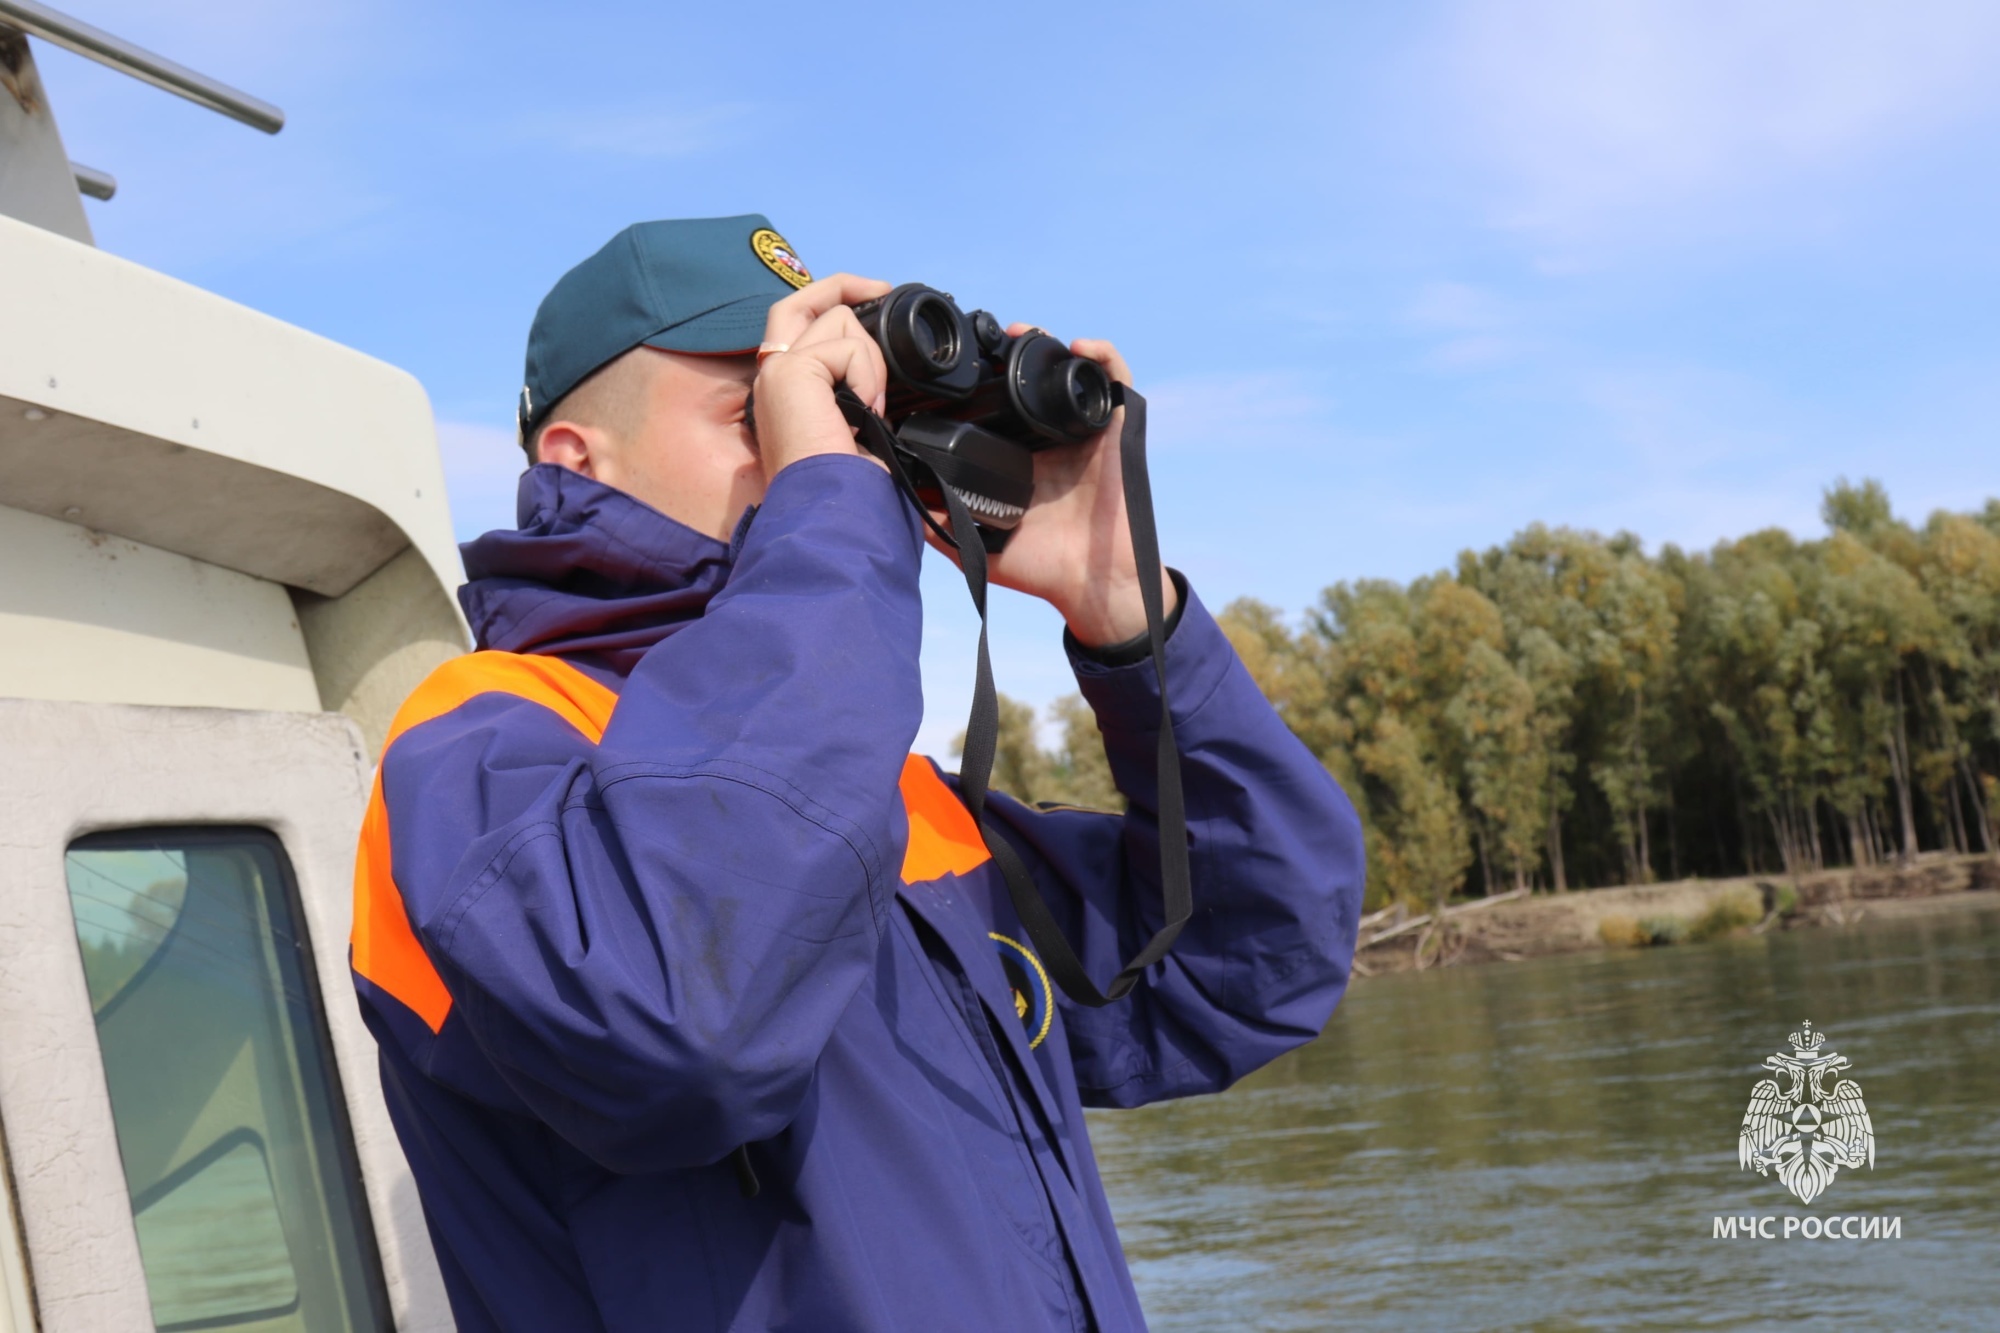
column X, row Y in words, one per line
column 943, row 838
column 548, row 681
column 385, row 948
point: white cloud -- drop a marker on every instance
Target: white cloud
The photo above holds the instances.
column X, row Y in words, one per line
column 1456, row 307
column 1609, row 116
column 1691, row 454
column 1260, row 410
column 482, row 468
column 1674, row 421
column 1475, row 326
column 1676, row 452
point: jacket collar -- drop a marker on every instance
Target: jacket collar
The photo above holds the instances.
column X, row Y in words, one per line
column 590, row 573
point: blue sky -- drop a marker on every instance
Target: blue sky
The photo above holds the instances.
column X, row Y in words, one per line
column 1397, row 279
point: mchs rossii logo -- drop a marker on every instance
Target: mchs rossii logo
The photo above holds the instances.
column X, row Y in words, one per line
column 1803, row 1128
column 1806, row 1131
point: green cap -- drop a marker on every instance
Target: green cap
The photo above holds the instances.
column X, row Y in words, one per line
column 687, row 285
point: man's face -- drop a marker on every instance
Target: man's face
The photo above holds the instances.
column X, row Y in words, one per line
column 685, row 450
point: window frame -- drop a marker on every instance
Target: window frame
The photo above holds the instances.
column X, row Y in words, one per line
column 346, row 1156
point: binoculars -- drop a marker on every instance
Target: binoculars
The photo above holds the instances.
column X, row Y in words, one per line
column 975, row 404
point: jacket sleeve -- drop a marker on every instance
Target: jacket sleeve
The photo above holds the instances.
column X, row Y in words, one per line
column 650, row 939
column 1275, row 855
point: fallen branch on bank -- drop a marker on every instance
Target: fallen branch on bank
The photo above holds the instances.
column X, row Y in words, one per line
column 1692, row 910
column 1374, row 918
column 1425, row 919
column 1402, row 929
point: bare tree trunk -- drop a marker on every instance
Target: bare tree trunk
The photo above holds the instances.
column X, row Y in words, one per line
column 1784, row 840
column 1746, row 830
column 1485, row 866
column 1977, row 798
column 1961, row 827
column 1644, row 843
column 1558, row 880
column 1715, row 835
column 1955, row 818
column 1818, row 858
column 1898, row 742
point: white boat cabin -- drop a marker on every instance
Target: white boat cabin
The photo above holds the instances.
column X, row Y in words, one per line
column 225, row 556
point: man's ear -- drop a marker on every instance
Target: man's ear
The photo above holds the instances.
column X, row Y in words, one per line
column 567, row 444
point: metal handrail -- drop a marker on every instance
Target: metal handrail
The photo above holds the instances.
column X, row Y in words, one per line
column 89, row 180
column 96, row 44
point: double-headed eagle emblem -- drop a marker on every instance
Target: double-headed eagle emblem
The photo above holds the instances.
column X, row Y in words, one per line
column 1803, row 1130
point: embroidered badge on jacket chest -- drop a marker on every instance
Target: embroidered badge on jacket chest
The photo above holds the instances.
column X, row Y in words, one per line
column 1034, row 998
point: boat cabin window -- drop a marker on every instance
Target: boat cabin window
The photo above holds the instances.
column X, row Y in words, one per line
column 244, row 1184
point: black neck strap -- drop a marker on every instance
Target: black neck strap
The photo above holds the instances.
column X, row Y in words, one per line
column 982, row 729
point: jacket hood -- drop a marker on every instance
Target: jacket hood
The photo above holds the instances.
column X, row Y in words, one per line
column 590, row 572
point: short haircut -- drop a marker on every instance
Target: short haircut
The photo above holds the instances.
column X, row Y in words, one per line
column 611, row 398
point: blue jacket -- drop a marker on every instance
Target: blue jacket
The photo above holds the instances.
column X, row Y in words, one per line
column 653, row 875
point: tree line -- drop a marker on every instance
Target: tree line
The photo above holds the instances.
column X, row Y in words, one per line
column 1566, row 711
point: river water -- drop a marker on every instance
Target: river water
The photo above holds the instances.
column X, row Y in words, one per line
column 1546, row 1145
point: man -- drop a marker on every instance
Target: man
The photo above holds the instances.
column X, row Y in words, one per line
column 701, row 1003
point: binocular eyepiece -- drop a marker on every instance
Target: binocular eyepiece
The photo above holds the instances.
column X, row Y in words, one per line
column 946, row 363
column 971, row 404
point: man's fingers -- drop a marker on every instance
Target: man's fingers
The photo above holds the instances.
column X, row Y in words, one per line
column 790, row 318
column 863, row 368
column 1090, row 349
column 835, row 324
column 854, row 361
column 1104, row 354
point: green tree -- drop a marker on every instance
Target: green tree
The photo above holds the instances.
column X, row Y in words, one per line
column 1563, row 704
column 1021, row 768
column 1417, row 831
column 1591, row 625
column 1077, row 772
column 1505, row 767
column 1300, row 674
column 1860, row 510
column 1960, row 573
column 1754, row 653
column 1879, row 622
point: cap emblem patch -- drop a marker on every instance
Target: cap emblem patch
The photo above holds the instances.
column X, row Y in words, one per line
column 777, row 254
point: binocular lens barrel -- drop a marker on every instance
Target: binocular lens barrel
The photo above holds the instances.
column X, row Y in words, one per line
column 965, row 367
column 1086, row 392
column 1057, row 396
column 923, row 332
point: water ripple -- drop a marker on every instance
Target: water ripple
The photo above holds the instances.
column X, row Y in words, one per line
column 1544, row 1145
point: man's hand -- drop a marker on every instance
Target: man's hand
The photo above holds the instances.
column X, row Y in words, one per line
column 796, row 414
column 1073, row 548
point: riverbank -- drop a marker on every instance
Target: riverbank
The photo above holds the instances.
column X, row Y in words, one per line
column 1511, row 928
